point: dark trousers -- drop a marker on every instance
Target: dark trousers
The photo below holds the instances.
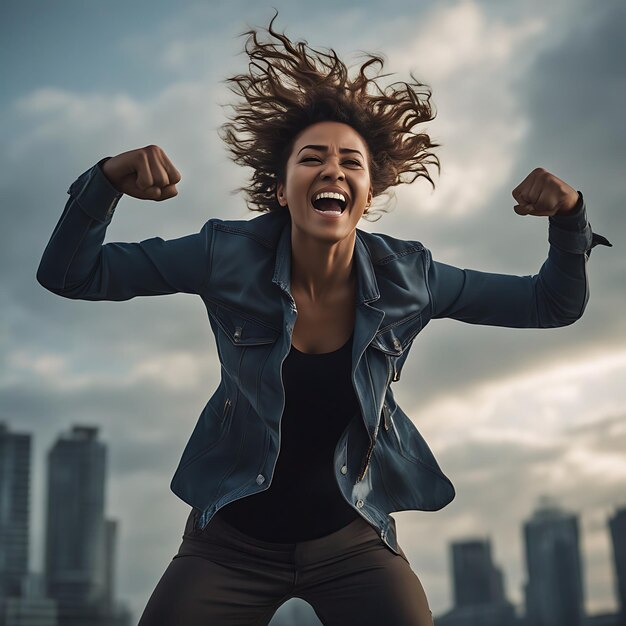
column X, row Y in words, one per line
column 221, row 576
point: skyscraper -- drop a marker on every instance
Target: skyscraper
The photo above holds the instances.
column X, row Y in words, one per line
column 75, row 556
column 32, row 607
column 110, row 543
column 554, row 591
column 14, row 509
column 478, row 587
column 476, row 579
column 617, row 524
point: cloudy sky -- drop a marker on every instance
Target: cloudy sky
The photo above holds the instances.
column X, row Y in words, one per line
column 511, row 414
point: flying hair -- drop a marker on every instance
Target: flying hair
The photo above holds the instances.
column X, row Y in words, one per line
column 291, row 86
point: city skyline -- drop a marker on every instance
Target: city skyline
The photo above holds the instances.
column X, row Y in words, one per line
column 76, row 464
column 76, row 582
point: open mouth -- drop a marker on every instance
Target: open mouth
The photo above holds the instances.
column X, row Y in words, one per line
column 330, row 206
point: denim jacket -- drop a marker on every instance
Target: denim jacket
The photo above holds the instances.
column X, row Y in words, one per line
column 241, row 270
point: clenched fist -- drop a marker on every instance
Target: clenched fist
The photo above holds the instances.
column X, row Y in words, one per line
column 145, row 173
column 542, row 193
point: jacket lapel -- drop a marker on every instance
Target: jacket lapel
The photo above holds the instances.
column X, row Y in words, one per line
column 368, row 318
column 367, row 323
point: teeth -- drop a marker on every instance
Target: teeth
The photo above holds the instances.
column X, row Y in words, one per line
column 328, row 212
column 330, row 194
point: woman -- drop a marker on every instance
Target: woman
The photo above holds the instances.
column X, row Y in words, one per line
column 302, row 452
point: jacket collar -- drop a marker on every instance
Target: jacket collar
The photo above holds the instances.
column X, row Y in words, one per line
column 367, row 287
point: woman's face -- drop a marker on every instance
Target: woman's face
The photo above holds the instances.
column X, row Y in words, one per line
column 327, row 157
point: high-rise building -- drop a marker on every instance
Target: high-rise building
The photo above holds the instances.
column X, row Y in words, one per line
column 554, row 590
column 478, row 586
column 14, row 509
column 75, row 552
column 475, row 578
column 80, row 542
column 617, row 525
column 110, row 551
column 32, row 607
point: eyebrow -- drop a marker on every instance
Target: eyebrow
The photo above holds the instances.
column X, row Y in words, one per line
column 325, row 149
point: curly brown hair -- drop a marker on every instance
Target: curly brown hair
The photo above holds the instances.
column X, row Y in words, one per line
column 286, row 91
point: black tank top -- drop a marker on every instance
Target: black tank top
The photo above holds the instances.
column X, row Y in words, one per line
column 304, row 502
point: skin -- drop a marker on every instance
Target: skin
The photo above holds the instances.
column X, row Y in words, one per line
column 323, row 249
column 542, row 194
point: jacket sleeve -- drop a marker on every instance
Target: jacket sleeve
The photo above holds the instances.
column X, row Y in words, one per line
column 556, row 296
column 76, row 265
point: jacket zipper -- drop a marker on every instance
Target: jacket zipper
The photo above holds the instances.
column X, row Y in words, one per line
column 227, row 405
column 395, row 373
column 369, row 454
column 385, row 407
column 367, row 462
column 386, row 424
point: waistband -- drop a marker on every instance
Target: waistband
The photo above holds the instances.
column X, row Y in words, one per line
column 219, row 527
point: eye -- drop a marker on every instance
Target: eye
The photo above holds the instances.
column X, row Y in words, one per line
column 319, row 160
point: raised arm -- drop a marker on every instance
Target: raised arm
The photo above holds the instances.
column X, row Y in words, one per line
column 556, row 296
column 75, row 263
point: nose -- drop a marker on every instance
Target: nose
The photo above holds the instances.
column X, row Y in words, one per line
column 333, row 170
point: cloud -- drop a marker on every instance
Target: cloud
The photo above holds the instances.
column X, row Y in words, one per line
column 557, row 430
column 509, row 413
column 462, row 53
column 462, row 38
column 499, row 485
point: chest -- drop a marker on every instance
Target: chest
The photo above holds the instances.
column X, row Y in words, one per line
column 323, row 327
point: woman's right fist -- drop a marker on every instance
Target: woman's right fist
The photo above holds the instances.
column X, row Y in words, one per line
column 145, row 173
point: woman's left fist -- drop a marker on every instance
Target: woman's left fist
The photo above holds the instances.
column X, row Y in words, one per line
column 542, row 193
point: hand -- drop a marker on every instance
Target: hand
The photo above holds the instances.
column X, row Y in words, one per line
column 145, row 173
column 542, row 193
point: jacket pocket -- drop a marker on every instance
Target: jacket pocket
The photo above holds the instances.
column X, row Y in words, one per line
column 394, row 340
column 243, row 330
column 243, row 344
column 209, row 431
column 244, row 347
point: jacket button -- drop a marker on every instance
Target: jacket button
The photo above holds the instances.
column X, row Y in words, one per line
column 359, row 504
column 344, row 469
column 289, row 328
column 260, row 479
column 397, row 343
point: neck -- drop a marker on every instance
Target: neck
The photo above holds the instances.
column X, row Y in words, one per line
column 321, row 270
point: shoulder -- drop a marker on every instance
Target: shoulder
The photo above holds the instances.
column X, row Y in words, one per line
column 399, row 268
column 265, row 229
column 385, row 248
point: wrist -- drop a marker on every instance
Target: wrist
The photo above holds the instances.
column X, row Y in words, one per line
column 573, row 209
